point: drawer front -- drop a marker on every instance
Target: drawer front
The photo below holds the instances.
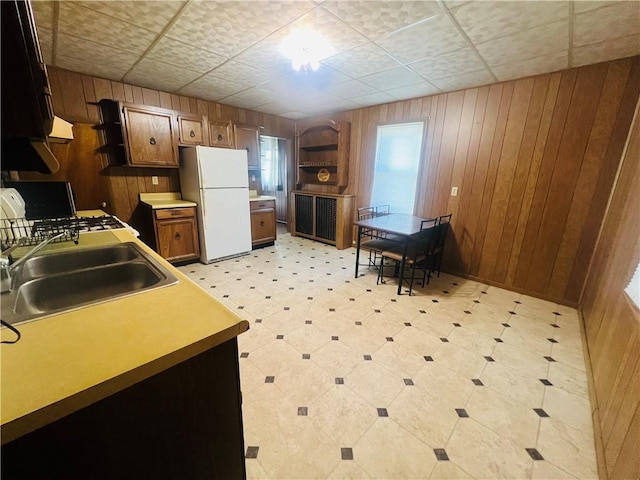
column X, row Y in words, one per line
column 165, row 213
column 262, row 204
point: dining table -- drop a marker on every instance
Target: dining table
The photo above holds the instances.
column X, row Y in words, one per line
column 402, row 226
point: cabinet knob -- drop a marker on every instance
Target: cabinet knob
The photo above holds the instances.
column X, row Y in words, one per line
column 103, row 204
column 177, row 236
column 192, row 134
column 152, row 141
column 261, row 223
column 220, row 137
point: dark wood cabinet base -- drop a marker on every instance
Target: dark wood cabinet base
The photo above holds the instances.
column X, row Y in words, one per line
column 184, row 423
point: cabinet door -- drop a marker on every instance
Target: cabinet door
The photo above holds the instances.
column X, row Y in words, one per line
column 178, row 239
column 263, row 226
column 151, row 136
column 220, row 135
column 248, row 138
column 190, row 129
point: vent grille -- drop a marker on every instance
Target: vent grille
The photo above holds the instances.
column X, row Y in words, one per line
column 326, row 212
column 304, row 214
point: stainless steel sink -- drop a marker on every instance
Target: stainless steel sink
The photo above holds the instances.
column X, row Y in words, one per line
column 58, row 282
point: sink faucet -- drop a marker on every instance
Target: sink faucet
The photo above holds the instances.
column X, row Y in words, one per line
column 8, row 269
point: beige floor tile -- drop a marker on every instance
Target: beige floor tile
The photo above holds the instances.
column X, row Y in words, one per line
column 569, row 379
column 467, row 363
column 274, row 357
column 513, row 384
column 523, row 339
column 307, row 338
column 447, row 384
column 568, row 448
column 438, row 325
column 448, row 471
column 569, row 354
column 374, row 383
column 526, row 362
column 411, row 460
column 251, row 377
column 362, row 340
column 428, row 417
column 337, row 358
column 417, row 341
column 507, row 418
column 255, row 471
column 568, row 408
column 478, row 342
column 342, row 414
column 484, row 454
column 543, row 470
column 348, row 470
column 487, row 326
column 254, row 338
column 304, row 382
column 399, row 359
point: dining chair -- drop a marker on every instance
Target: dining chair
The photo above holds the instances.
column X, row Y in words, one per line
column 443, row 227
column 418, row 254
column 370, row 239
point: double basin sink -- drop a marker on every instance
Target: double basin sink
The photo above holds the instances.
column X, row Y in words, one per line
column 57, row 282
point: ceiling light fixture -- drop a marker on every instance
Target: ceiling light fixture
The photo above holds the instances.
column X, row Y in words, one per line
column 305, row 48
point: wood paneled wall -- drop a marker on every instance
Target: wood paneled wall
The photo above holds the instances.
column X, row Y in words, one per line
column 612, row 322
column 74, row 99
column 534, row 161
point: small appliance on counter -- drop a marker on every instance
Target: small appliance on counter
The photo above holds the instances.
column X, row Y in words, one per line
column 216, row 180
column 45, row 199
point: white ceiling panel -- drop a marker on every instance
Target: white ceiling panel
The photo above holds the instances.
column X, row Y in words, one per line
column 229, row 50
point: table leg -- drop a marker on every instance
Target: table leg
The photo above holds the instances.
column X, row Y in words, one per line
column 402, row 263
column 358, row 250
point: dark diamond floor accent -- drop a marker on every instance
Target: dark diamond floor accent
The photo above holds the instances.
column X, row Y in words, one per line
column 457, row 325
column 549, row 359
column 279, row 337
column 389, row 339
column 407, row 324
column 444, row 339
column 441, row 454
column 541, row 412
column 477, row 381
column 302, row 411
column 506, row 325
column 462, row 413
column 546, row 382
column 534, row 454
column 408, row 381
column 339, row 381
column 428, row 358
column 269, row 379
column 382, row 412
column 346, row 453
column 306, row 356
column 367, row 357
column 499, row 340
column 308, row 322
column 334, row 337
column 489, row 359
column 244, row 354
column 358, row 323
column 552, row 340
column 252, row 452
column 554, row 325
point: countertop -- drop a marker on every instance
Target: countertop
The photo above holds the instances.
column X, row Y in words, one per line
column 261, row 198
column 165, row 200
column 67, row 361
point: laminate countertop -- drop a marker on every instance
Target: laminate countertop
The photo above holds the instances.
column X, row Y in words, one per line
column 67, row 361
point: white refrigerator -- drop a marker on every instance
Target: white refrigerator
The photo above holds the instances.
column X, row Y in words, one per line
column 217, row 180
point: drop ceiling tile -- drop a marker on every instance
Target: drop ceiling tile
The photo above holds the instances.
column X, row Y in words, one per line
column 92, row 59
column 433, row 37
column 273, row 108
column 180, row 54
column 483, row 21
column 240, row 73
column 239, row 102
column 152, row 15
column 227, row 28
column 101, row 29
column 257, row 95
column 212, row 88
column 394, row 78
column 459, row 61
column 162, row 76
column 266, row 55
column 532, row 66
column 423, row 89
column 362, row 60
column 377, row 18
column 619, row 19
column 536, row 42
column 43, row 13
column 604, row 51
column 294, row 115
column 351, row 88
column 373, row 99
column 466, row 80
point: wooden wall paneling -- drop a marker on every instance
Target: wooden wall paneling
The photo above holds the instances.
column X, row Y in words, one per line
column 610, row 166
column 119, row 193
column 165, row 99
column 151, row 97
column 427, row 112
column 566, row 268
column 93, row 113
column 514, row 130
column 492, row 171
column 175, row 102
column 438, row 115
column 465, row 192
column 507, row 246
column 627, row 465
column 138, row 96
column 576, row 130
column 121, row 92
column 56, row 94
column 553, row 82
column 552, row 144
column 72, row 95
column 102, row 88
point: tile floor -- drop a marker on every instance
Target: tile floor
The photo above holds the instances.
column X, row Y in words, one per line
column 343, row 379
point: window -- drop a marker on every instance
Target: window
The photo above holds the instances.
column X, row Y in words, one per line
column 397, row 166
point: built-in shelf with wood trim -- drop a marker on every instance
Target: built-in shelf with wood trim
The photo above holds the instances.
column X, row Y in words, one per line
column 323, row 153
column 324, row 217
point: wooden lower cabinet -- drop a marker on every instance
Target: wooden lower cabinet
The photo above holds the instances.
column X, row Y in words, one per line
column 176, row 233
column 184, row 422
column 263, row 222
column 324, row 217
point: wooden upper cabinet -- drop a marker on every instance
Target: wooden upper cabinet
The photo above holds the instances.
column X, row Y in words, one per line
column 190, row 130
column 150, row 136
column 247, row 138
column 220, row 134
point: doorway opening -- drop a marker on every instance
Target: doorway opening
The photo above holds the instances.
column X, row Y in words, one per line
column 274, row 154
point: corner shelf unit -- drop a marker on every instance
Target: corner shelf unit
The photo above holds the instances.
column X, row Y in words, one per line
column 323, row 153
